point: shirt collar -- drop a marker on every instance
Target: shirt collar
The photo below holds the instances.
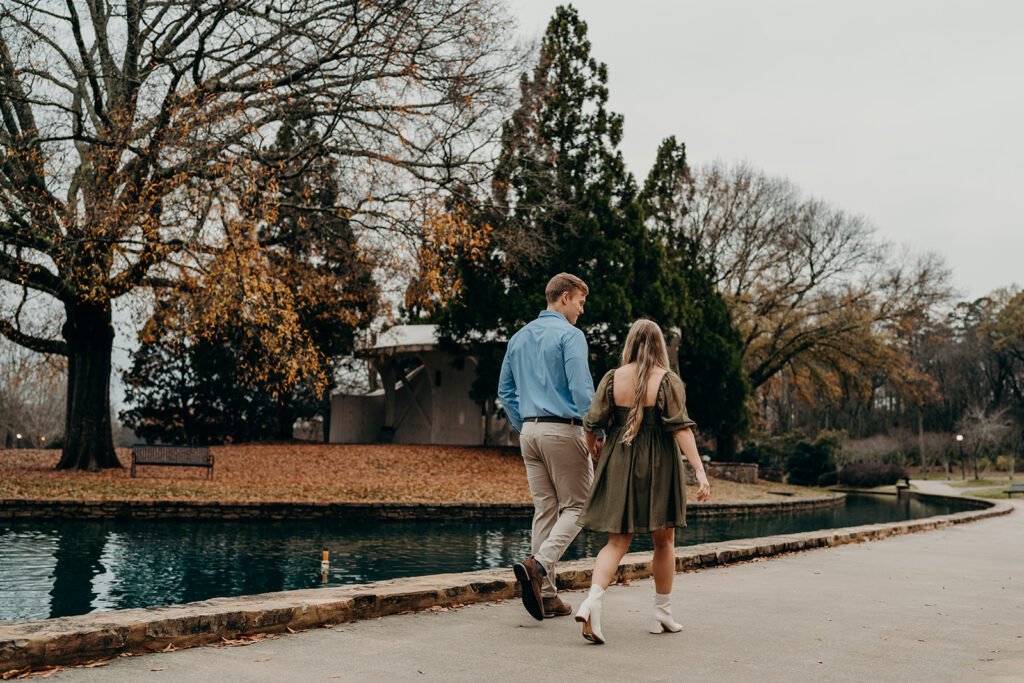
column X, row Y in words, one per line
column 547, row 313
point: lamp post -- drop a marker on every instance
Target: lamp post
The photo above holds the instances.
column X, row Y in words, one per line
column 960, row 442
column 17, row 443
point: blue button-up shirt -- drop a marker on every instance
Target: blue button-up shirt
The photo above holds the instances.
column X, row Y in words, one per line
column 545, row 371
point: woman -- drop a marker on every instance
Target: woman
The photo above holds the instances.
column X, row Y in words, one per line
column 639, row 482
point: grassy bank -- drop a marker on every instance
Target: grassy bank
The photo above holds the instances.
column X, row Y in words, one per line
column 315, row 472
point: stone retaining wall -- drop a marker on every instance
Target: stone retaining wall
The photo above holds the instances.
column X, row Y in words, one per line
column 742, row 472
column 104, row 634
column 18, row 508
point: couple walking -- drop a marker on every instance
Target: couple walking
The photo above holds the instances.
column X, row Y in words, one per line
column 633, row 428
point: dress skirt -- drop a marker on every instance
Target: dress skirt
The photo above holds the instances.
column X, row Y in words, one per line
column 638, row 487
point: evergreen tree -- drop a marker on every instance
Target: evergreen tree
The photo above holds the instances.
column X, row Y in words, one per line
column 562, row 200
column 190, row 391
column 709, row 346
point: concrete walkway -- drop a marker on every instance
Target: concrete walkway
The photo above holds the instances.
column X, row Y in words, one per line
column 945, row 605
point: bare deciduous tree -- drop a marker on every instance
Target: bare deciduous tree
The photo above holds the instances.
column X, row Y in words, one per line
column 809, row 285
column 984, row 432
column 31, row 396
column 134, row 151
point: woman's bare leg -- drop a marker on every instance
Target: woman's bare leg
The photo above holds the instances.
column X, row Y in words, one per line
column 608, row 559
column 664, row 564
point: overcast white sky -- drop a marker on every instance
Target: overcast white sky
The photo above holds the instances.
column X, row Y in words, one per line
column 908, row 112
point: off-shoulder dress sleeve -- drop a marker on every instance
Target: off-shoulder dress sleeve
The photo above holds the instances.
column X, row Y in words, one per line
column 599, row 417
column 672, row 404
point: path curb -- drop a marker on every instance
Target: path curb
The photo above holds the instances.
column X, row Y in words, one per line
column 70, row 640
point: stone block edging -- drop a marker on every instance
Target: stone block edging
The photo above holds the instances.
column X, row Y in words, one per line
column 30, row 508
column 68, row 640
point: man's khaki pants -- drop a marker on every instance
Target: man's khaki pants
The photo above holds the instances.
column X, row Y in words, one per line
column 560, row 472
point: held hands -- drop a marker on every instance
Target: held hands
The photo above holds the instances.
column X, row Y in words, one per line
column 703, row 488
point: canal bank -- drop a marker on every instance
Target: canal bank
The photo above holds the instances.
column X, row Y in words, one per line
column 210, row 510
column 102, row 634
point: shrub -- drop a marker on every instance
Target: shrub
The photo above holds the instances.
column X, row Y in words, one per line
column 864, row 475
column 770, row 451
column 829, row 478
column 808, row 462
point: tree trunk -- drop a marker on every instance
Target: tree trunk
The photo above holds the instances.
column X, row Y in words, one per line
column 920, row 443
column 88, row 442
column 326, row 409
column 725, row 446
column 285, row 418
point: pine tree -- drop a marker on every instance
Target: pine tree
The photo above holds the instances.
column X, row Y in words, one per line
column 562, row 200
column 708, row 345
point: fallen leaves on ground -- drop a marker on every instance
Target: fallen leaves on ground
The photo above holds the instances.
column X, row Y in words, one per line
column 303, row 472
column 47, row 671
column 242, row 641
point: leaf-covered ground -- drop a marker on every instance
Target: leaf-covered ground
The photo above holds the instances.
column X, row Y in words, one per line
column 312, row 472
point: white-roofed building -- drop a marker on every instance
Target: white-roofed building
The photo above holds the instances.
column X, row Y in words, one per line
column 422, row 396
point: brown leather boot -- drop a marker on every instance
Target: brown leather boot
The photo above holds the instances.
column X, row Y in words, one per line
column 554, row 607
column 529, row 582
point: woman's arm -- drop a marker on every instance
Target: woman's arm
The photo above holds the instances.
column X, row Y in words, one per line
column 688, row 445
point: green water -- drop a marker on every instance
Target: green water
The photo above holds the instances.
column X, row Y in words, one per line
column 54, row 569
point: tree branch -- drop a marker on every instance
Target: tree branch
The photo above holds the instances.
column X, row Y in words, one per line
column 33, row 343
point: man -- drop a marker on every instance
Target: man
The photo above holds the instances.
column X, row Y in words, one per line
column 546, row 389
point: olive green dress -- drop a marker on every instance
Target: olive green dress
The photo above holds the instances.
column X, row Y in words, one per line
column 640, row 487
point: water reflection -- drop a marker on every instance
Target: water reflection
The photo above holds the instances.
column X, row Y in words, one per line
column 50, row 569
column 27, row 558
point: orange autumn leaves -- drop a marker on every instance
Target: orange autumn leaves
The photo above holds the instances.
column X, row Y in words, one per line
column 447, row 235
column 287, row 472
column 314, row 473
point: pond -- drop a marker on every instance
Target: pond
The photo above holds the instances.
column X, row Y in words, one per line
column 53, row 569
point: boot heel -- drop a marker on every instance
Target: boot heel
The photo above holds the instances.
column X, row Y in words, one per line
column 589, row 614
column 658, row 627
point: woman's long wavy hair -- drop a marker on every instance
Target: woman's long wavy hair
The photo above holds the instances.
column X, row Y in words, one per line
column 645, row 346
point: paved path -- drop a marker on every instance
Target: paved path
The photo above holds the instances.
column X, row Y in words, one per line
column 945, row 605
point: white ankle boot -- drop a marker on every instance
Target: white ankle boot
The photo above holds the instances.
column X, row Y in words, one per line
column 661, row 620
column 589, row 614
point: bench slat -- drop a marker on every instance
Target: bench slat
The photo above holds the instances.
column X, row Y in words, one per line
column 183, row 456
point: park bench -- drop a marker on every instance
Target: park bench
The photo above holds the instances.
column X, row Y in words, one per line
column 172, row 456
column 1014, row 488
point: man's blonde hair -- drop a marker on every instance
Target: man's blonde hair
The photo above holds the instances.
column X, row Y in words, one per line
column 564, row 282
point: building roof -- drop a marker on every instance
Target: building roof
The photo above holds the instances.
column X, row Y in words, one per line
column 414, row 339
column 406, row 338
